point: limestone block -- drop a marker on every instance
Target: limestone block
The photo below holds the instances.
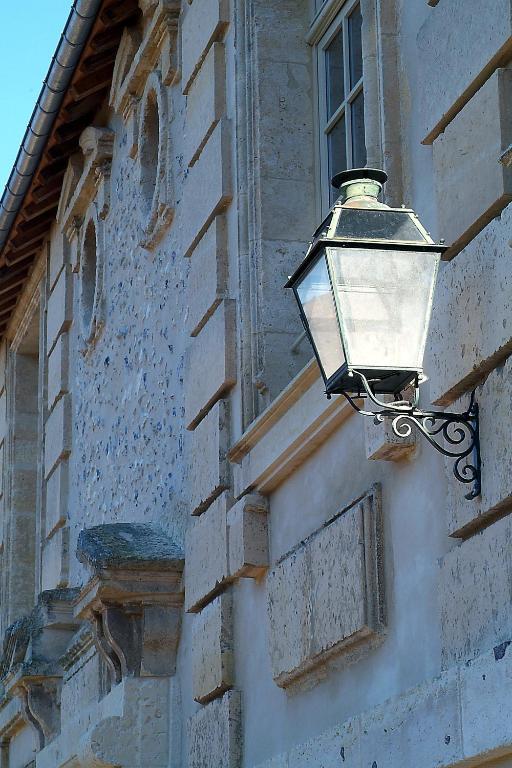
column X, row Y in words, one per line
column 214, row 734
column 212, row 650
column 206, row 555
column 472, row 187
column 335, row 748
column 57, row 434
column 58, row 370
column 474, row 594
column 289, row 613
column 484, row 685
column 55, row 560
column 287, row 213
column 471, row 328
column 248, row 537
column 207, row 279
column 60, row 308
column 420, row 728
column 210, row 368
column 2, row 458
column 206, row 102
column 3, row 416
column 205, row 22
column 209, row 465
column 59, row 257
column 444, row 41
column 493, row 398
column 327, row 595
column 57, row 486
column 3, row 365
column 207, row 189
column 382, row 444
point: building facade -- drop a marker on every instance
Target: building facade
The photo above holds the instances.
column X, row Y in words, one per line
column 204, row 562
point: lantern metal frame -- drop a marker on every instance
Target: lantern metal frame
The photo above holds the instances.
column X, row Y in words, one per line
column 455, row 435
column 459, row 430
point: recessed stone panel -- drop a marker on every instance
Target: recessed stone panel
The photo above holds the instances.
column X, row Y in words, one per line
column 248, row 537
column 204, row 23
column 206, row 554
column 327, row 595
column 210, row 370
column 57, row 441
column 207, row 279
column 59, row 256
column 212, row 650
column 55, row 560
column 59, row 314
column 206, row 102
column 207, row 189
column 58, row 370
column 471, row 327
column 471, row 185
column 214, row 734
column 57, row 497
column 209, row 465
column 456, row 55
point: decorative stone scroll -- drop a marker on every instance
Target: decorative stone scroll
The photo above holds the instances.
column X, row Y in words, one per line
column 30, row 668
column 133, row 599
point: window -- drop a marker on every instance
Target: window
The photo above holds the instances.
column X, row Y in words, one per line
column 341, row 100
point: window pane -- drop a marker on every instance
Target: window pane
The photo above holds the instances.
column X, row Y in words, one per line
column 334, row 73
column 358, row 140
column 355, row 46
column 337, row 147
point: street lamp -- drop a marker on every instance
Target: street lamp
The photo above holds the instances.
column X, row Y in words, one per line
column 365, row 291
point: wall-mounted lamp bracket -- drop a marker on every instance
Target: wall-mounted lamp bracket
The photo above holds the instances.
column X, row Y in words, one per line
column 455, row 435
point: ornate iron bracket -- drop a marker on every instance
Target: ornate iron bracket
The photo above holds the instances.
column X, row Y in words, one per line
column 455, row 435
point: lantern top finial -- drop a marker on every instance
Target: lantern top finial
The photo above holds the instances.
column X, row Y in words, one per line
column 365, row 184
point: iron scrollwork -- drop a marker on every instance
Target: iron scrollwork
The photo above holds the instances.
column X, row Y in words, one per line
column 455, row 435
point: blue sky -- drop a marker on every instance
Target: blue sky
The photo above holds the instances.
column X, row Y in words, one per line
column 29, row 34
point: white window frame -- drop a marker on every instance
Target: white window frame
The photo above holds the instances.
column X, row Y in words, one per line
column 325, row 125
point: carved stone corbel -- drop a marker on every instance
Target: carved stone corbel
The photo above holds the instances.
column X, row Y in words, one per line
column 41, row 705
column 134, row 598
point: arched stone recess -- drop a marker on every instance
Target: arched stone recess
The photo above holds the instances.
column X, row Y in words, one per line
column 153, row 162
column 91, row 280
column 151, row 46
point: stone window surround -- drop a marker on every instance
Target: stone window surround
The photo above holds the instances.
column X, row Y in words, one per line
column 91, row 329
column 160, row 212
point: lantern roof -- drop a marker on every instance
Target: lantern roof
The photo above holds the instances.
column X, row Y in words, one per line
column 358, row 219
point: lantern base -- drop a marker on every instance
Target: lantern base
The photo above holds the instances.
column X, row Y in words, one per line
column 382, row 382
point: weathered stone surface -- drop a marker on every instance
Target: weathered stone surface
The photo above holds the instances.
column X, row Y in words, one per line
column 207, row 189
column 421, row 728
column 203, row 24
column 60, row 308
column 206, row 551
column 248, row 537
column 474, row 594
column 206, row 101
column 3, row 365
column 212, row 650
column 210, row 370
column 214, row 734
column 209, row 466
column 57, row 433
column 340, row 743
column 55, row 560
column 493, row 398
column 57, row 487
column 462, row 154
column 128, row 545
column 471, row 328
column 59, row 256
column 450, row 73
column 58, row 370
column 327, row 595
column 207, row 279
column 3, row 416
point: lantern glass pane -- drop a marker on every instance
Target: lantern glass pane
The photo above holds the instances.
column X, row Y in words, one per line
column 375, row 224
column 315, row 295
column 384, row 300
